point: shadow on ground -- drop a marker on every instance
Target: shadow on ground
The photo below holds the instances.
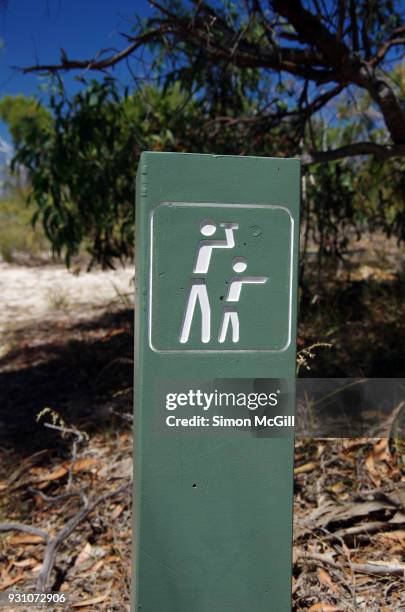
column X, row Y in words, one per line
column 364, row 321
column 84, row 372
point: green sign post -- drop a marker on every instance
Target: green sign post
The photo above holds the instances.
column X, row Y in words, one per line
column 215, row 323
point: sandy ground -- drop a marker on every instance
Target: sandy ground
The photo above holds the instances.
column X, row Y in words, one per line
column 37, row 294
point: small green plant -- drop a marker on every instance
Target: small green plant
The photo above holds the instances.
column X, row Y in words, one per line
column 58, row 299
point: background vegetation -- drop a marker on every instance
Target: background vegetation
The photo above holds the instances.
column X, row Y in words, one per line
column 322, row 81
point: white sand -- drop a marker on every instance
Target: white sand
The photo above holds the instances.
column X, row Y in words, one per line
column 34, row 294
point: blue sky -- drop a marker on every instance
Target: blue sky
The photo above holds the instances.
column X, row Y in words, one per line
column 35, row 30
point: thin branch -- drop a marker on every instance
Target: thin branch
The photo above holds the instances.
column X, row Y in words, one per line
column 13, row 526
column 303, row 113
column 364, row 34
column 24, row 464
column 381, row 152
column 79, row 437
column 57, row 498
column 363, row 529
column 391, row 42
column 202, row 33
column 52, row 544
column 94, row 63
column 375, row 569
column 353, row 25
column 341, row 19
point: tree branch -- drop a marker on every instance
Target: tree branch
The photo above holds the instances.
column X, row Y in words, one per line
column 353, row 25
column 52, row 544
column 323, row 56
column 13, row 526
column 275, row 118
column 348, row 67
column 311, row 29
column 204, row 31
column 375, row 569
column 396, row 38
column 95, row 63
column 381, row 152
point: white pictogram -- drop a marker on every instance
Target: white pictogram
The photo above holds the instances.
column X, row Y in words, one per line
column 198, row 291
column 205, row 248
column 230, row 315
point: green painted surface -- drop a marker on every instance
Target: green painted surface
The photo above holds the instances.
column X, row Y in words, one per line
column 213, row 514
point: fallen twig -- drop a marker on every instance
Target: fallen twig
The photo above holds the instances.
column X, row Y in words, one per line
column 56, row 498
column 364, row 529
column 52, row 544
column 13, row 526
column 376, row 569
column 24, row 465
column 79, row 437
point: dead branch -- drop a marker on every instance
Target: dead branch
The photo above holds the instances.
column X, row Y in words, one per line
column 391, row 569
column 13, row 526
column 381, row 152
column 125, row 416
column 57, row 498
column 78, row 439
column 375, row 569
column 52, row 544
column 95, row 63
column 364, row 529
column 395, row 39
column 324, row 55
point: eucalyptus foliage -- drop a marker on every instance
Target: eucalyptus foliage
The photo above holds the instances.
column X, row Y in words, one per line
column 82, row 167
column 82, row 160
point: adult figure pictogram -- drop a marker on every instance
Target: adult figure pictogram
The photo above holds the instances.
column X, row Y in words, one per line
column 198, row 295
column 206, row 247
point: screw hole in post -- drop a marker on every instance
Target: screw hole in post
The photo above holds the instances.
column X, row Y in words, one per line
column 194, row 485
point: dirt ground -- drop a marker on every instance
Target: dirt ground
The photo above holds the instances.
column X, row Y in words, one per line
column 65, row 478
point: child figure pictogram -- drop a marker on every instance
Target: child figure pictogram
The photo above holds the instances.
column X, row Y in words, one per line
column 230, row 315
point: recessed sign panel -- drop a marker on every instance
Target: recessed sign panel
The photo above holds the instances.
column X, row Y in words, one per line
column 227, row 271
